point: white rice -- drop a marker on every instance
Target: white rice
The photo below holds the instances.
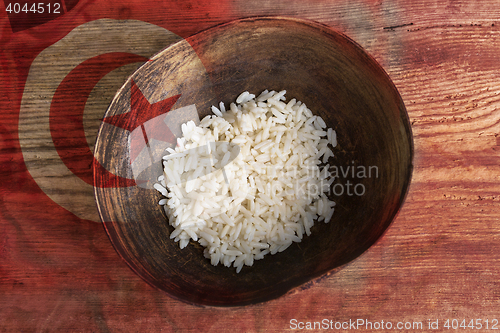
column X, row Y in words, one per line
column 264, row 199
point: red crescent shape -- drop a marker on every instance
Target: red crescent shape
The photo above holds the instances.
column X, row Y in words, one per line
column 66, row 117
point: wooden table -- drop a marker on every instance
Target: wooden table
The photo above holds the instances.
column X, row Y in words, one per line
column 438, row 263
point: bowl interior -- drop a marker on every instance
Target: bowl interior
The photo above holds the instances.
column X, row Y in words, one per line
column 314, row 64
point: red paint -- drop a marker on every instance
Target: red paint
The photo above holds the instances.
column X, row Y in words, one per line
column 50, row 257
column 141, row 112
column 66, row 113
column 35, row 13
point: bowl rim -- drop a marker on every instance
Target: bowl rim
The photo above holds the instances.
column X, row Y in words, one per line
column 331, row 32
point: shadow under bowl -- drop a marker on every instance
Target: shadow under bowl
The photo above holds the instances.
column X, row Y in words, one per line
column 324, row 69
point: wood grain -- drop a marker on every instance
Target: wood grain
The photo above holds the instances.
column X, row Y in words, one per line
column 318, row 66
column 439, row 259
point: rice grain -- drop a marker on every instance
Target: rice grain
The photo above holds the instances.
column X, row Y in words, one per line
column 264, row 199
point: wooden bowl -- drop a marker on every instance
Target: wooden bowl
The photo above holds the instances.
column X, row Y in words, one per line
column 326, row 70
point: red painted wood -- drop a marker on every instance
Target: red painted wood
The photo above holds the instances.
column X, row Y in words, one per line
column 439, row 259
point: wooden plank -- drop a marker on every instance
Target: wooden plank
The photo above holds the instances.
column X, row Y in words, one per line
column 438, row 260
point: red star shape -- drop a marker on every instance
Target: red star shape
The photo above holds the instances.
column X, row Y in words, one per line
column 142, row 111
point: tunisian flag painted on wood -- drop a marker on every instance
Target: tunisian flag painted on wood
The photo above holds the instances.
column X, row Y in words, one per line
column 59, row 72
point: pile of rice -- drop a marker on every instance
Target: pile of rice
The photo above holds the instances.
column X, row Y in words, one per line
column 263, row 200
